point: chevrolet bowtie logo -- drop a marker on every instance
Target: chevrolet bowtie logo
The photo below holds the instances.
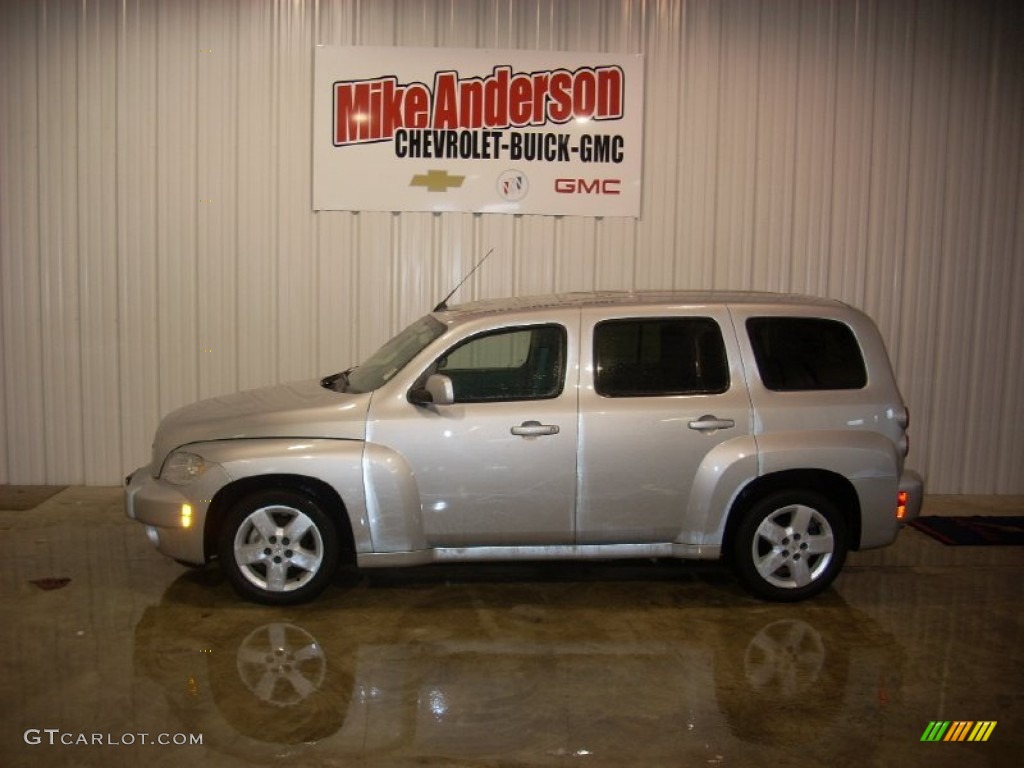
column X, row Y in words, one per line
column 436, row 181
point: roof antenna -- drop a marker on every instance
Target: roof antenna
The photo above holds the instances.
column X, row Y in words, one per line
column 444, row 303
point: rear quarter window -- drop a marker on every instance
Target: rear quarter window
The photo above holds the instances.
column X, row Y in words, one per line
column 799, row 354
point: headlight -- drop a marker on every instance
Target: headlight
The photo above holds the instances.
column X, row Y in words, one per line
column 182, row 468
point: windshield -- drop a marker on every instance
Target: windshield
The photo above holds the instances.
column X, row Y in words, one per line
column 389, row 359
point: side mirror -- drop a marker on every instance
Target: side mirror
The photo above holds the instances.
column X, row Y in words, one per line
column 438, row 390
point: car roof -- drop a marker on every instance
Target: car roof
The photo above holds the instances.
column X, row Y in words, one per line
column 628, row 298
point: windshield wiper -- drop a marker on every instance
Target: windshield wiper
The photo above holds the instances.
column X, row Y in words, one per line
column 336, row 381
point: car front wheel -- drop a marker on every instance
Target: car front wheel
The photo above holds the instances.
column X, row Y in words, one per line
column 790, row 545
column 278, row 547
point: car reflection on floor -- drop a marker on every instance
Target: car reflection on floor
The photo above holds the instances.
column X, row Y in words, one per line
column 615, row 662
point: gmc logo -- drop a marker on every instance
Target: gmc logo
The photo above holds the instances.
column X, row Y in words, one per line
column 587, row 187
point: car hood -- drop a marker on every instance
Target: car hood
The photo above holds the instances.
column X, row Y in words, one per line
column 301, row 409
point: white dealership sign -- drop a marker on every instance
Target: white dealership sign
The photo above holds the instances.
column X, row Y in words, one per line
column 435, row 129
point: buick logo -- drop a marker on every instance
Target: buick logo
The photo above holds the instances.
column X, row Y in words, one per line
column 513, row 185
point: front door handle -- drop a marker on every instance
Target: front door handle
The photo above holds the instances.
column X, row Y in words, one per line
column 709, row 423
column 534, row 429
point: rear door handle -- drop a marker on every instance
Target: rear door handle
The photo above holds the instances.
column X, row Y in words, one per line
column 535, row 429
column 709, row 423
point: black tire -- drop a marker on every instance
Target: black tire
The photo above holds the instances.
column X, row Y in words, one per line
column 790, row 545
column 267, row 565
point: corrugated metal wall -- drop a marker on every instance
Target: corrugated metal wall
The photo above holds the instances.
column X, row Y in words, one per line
column 158, row 244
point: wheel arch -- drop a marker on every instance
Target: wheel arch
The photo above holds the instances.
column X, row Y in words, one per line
column 321, row 492
column 835, row 487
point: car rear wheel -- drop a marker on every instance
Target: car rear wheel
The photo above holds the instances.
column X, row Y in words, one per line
column 790, row 545
column 278, row 547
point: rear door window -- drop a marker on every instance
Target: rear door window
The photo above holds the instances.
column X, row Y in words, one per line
column 652, row 356
column 799, row 354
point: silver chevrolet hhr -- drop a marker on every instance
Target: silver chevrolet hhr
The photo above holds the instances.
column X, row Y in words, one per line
column 760, row 428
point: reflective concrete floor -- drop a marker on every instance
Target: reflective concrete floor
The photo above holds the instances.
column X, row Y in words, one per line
column 631, row 664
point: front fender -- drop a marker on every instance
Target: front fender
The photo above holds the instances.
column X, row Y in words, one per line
column 392, row 501
column 338, row 463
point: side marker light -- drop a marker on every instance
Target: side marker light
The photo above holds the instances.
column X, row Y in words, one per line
column 901, row 505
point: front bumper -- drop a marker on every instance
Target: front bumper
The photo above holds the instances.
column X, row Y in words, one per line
column 159, row 506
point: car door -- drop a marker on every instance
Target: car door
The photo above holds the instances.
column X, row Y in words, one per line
column 660, row 390
column 498, row 466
